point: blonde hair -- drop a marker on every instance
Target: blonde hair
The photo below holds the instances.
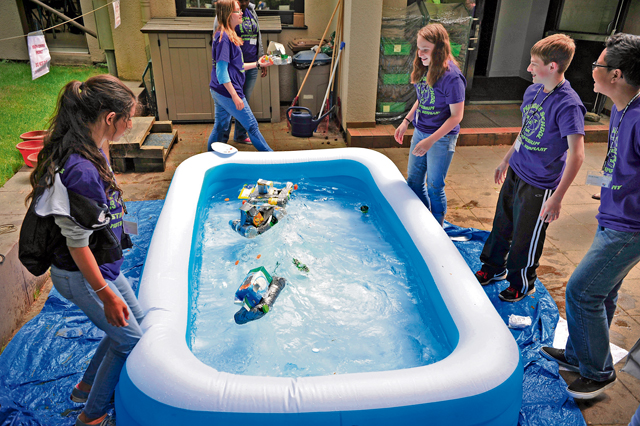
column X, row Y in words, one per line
column 224, row 11
column 558, row 48
column 440, row 57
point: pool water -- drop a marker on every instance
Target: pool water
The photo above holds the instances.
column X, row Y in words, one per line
column 360, row 308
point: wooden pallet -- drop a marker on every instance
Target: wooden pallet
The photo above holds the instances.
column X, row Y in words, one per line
column 144, row 148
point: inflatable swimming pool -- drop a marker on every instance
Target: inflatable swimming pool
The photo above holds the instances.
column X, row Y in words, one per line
column 163, row 383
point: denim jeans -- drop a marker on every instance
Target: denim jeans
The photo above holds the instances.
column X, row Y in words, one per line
column 432, row 167
column 225, row 109
column 240, row 133
column 635, row 420
column 104, row 369
column 591, row 296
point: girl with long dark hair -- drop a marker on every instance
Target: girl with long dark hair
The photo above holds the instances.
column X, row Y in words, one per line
column 73, row 182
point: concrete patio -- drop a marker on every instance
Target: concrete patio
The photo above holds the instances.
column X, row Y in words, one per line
column 472, row 197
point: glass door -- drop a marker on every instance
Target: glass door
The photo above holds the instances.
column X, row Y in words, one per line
column 589, row 24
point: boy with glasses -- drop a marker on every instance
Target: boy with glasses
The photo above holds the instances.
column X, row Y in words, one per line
column 536, row 172
column 592, row 290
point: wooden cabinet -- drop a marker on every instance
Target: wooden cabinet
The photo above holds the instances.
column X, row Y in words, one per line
column 181, row 56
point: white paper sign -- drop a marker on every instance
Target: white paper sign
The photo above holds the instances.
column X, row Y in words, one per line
column 116, row 13
column 38, row 54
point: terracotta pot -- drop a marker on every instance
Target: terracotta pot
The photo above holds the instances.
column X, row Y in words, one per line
column 34, row 135
column 29, row 147
column 33, row 159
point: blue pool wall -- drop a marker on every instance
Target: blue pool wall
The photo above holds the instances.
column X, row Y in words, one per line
column 477, row 410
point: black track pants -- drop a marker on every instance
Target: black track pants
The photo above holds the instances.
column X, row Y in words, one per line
column 518, row 233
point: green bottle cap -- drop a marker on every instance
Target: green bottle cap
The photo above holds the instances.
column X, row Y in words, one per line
column 265, row 308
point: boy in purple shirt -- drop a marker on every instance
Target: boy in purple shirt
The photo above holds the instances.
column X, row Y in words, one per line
column 592, row 290
column 536, row 172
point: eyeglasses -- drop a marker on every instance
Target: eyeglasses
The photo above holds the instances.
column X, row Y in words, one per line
column 597, row 65
column 237, row 12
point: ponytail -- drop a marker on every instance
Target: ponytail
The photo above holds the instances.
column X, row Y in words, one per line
column 81, row 104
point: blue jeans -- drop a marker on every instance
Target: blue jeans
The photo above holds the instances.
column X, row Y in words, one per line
column 225, row 109
column 591, row 296
column 432, row 167
column 104, row 369
column 635, row 420
column 240, row 133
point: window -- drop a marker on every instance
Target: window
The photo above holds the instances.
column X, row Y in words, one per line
column 269, row 7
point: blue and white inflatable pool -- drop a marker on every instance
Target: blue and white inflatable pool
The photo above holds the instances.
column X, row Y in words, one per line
column 163, row 383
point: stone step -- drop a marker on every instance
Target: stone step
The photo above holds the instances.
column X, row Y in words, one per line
column 381, row 136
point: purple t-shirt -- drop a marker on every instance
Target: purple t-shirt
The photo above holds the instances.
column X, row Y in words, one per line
column 620, row 204
column 541, row 157
column 433, row 106
column 225, row 50
column 82, row 177
column 248, row 32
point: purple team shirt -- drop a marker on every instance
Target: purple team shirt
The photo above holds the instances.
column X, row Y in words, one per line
column 433, row 106
column 81, row 176
column 542, row 154
column 620, row 203
column 248, row 31
column 225, row 50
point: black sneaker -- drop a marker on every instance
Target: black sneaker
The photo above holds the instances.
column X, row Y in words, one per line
column 485, row 278
column 583, row 388
column 510, row 294
column 557, row 355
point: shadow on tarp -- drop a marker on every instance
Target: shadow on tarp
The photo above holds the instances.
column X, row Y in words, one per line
column 544, row 400
column 48, row 355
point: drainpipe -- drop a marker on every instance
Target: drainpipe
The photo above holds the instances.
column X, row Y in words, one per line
column 105, row 37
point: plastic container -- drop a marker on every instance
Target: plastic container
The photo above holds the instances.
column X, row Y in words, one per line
column 34, row 135
column 316, row 85
column 29, row 147
column 254, row 287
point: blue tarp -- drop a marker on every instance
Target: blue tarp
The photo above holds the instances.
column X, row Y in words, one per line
column 47, row 356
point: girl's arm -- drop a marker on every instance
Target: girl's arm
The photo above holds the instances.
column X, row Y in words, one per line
column 402, row 128
column 115, row 309
column 457, row 112
column 222, row 73
column 252, row 65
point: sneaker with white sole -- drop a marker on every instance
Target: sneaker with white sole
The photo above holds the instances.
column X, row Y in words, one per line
column 510, row 294
column 79, row 396
column 583, row 388
column 485, row 277
column 557, row 355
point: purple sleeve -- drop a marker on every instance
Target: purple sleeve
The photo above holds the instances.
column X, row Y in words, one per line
column 571, row 118
column 455, row 89
column 222, row 49
column 82, row 178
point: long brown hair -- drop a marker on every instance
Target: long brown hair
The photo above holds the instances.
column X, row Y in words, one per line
column 224, row 11
column 79, row 105
column 440, row 57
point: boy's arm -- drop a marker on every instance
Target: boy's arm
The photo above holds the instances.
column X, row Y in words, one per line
column 551, row 209
column 501, row 171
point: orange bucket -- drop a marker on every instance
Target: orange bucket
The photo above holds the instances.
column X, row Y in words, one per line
column 27, row 148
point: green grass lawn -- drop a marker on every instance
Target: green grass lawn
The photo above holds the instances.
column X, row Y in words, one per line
column 27, row 105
